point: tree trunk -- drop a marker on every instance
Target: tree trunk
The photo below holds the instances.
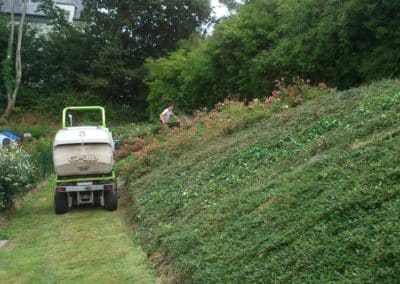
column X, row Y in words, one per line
column 11, row 98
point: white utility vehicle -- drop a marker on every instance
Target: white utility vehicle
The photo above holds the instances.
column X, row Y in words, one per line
column 83, row 158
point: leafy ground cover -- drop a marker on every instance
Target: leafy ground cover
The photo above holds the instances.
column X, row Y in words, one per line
column 84, row 246
column 269, row 193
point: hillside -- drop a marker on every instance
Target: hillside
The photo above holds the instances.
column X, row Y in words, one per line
column 305, row 194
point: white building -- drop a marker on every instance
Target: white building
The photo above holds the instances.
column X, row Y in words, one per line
column 72, row 11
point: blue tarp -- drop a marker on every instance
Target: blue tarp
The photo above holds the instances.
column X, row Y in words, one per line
column 4, row 141
column 11, row 136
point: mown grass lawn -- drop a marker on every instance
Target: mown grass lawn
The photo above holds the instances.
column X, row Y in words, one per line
column 88, row 245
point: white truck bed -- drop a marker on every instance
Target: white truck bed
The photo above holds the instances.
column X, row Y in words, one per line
column 83, row 151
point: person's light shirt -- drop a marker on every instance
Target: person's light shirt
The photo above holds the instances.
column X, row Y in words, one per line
column 167, row 114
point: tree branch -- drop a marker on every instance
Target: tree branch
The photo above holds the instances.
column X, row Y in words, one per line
column 18, row 63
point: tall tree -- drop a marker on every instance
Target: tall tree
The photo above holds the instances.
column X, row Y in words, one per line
column 231, row 4
column 13, row 88
column 8, row 73
column 127, row 32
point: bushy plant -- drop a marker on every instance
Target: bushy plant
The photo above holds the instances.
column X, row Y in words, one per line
column 342, row 44
column 293, row 92
column 17, row 174
column 42, row 155
column 131, row 130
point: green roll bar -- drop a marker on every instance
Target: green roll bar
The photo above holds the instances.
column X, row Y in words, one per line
column 84, row 108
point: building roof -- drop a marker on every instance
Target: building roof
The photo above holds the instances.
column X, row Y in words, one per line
column 32, row 8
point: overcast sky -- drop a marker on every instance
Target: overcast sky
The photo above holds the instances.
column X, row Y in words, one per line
column 219, row 9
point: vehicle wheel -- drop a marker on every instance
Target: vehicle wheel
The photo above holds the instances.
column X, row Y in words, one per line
column 110, row 200
column 60, row 202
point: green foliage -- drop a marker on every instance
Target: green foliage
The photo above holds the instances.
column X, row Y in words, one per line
column 8, row 72
column 17, row 174
column 6, row 54
column 391, row 101
column 64, row 99
column 183, row 78
column 54, row 13
column 131, row 130
column 99, row 61
column 37, row 131
column 308, row 194
column 104, row 61
column 41, row 150
column 129, row 34
column 164, row 81
column 54, row 63
column 342, row 44
column 230, row 4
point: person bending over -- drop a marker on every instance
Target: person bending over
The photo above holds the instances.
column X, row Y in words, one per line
column 166, row 114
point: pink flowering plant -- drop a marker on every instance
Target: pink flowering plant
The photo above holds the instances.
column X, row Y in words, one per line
column 293, row 93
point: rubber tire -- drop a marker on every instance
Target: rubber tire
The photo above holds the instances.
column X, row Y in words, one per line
column 110, row 200
column 60, row 202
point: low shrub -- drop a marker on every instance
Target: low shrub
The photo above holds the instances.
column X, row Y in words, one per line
column 41, row 151
column 295, row 91
column 131, row 130
column 17, row 174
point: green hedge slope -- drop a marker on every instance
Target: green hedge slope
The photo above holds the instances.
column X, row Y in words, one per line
column 310, row 194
